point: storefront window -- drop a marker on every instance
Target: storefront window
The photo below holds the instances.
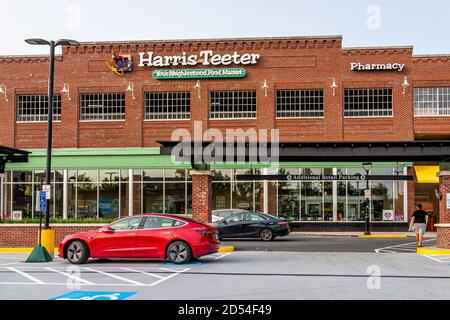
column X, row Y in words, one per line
column 382, row 197
column 86, row 198
column 243, row 195
column 356, row 207
column 175, row 198
column 23, row 199
column 221, row 193
column 341, row 197
column 312, row 197
column 153, row 198
column 288, row 200
column 109, row 204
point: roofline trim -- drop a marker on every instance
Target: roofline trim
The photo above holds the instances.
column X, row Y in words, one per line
column 214, row 39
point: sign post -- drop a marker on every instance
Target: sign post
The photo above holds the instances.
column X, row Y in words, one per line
column 40, row 253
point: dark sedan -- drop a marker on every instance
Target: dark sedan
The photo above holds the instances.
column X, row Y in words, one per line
column 253, row 225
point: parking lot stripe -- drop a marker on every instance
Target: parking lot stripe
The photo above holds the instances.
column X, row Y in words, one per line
column 115, row 276
column 70, row 276
column 167, row 278
column 26, row 275
column 143, row 272
column 222, row 256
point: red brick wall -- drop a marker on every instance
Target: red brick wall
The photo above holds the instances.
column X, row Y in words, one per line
column 26, row 236
column 285, row 64
column 202, row 201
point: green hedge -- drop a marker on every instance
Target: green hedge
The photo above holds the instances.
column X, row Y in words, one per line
column 70, row 221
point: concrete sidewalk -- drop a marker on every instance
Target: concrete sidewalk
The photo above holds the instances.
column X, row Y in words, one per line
column 428, row 235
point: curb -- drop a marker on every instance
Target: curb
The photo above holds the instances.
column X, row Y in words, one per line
column 19, row 250
column 432, row 250
column 384, row 236
column 226, row 249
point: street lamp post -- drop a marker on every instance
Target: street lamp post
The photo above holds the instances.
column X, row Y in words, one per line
column 51, row 80
column 367, row 166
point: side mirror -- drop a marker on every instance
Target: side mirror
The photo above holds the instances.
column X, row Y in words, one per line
column 107, row 229
column 224, row 221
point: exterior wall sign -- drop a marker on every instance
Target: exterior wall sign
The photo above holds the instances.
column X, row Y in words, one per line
column 119, row 64
column 199, row 73
column 358, row 66
column 322, row 177
column 206, row 58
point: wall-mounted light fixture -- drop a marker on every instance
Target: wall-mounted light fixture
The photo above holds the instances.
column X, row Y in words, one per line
column 265, row 87
column 405, row 85
column 198, row 88
column 131, row 89
column 66, row 90
column 334, row 86
column 3, row 91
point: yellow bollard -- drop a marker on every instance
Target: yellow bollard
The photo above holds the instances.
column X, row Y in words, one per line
column 48, row 241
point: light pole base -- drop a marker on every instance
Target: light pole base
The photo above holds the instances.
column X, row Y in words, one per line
column 39, row 254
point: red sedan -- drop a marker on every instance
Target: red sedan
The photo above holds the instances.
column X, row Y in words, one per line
column 156, row 236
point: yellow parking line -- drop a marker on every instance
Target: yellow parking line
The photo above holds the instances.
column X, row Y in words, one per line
column 19, row 250
column 432, row 250
column 384, row 236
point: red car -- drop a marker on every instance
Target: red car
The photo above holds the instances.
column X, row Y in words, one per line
column 157, row 236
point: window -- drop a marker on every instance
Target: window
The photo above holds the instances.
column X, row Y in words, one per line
column 158, row 222
column 367, row 102
column 102, row 106
column 126, row 224
column 255, row 217
column 167, row 105
column 232, row 104
column 299, row 103
column 237, row 217
column 34, row 107
column 432, row 101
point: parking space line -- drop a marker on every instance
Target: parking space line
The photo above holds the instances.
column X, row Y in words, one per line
column 26, row 275
column 404, row 247
column 70, row 276
column 143, row 272
column 115, row 276
column 169, row 277
column 222, row 256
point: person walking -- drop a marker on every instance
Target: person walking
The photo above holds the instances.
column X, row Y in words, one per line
column 419, row 222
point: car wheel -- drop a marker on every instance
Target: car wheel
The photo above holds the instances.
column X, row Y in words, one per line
column 179, row 252
column 266, row 234
column 77, row 252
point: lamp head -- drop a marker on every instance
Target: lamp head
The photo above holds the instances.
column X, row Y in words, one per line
column 265, row 85
column 367, row 166
column 197, row 85
column 130, row 87
column 65, row 89
column 37, row 42
column 334, row 85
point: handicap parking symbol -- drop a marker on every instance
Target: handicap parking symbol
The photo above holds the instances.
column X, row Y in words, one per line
column 90, row 295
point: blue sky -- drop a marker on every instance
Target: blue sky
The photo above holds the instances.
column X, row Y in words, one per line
column 423, row 24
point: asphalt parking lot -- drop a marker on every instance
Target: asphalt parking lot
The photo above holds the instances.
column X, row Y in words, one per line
column 237, row 275
column 295, row 243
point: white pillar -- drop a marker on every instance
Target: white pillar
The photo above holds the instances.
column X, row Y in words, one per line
column 265, row 171
column 335, row 197
column 65, row 193
column 130, row 192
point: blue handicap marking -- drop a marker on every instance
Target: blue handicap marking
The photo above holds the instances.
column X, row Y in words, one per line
column 92, row 295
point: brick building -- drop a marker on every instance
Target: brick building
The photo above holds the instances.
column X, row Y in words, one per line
column 110, row 117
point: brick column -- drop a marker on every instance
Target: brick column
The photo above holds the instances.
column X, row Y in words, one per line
column 201, row 195
column 443, row 228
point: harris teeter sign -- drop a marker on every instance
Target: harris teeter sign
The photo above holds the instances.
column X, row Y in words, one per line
column 180, row 74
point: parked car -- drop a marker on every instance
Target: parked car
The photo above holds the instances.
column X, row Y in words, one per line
column 157, row 236
column 253, row 225
column 218, row 215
